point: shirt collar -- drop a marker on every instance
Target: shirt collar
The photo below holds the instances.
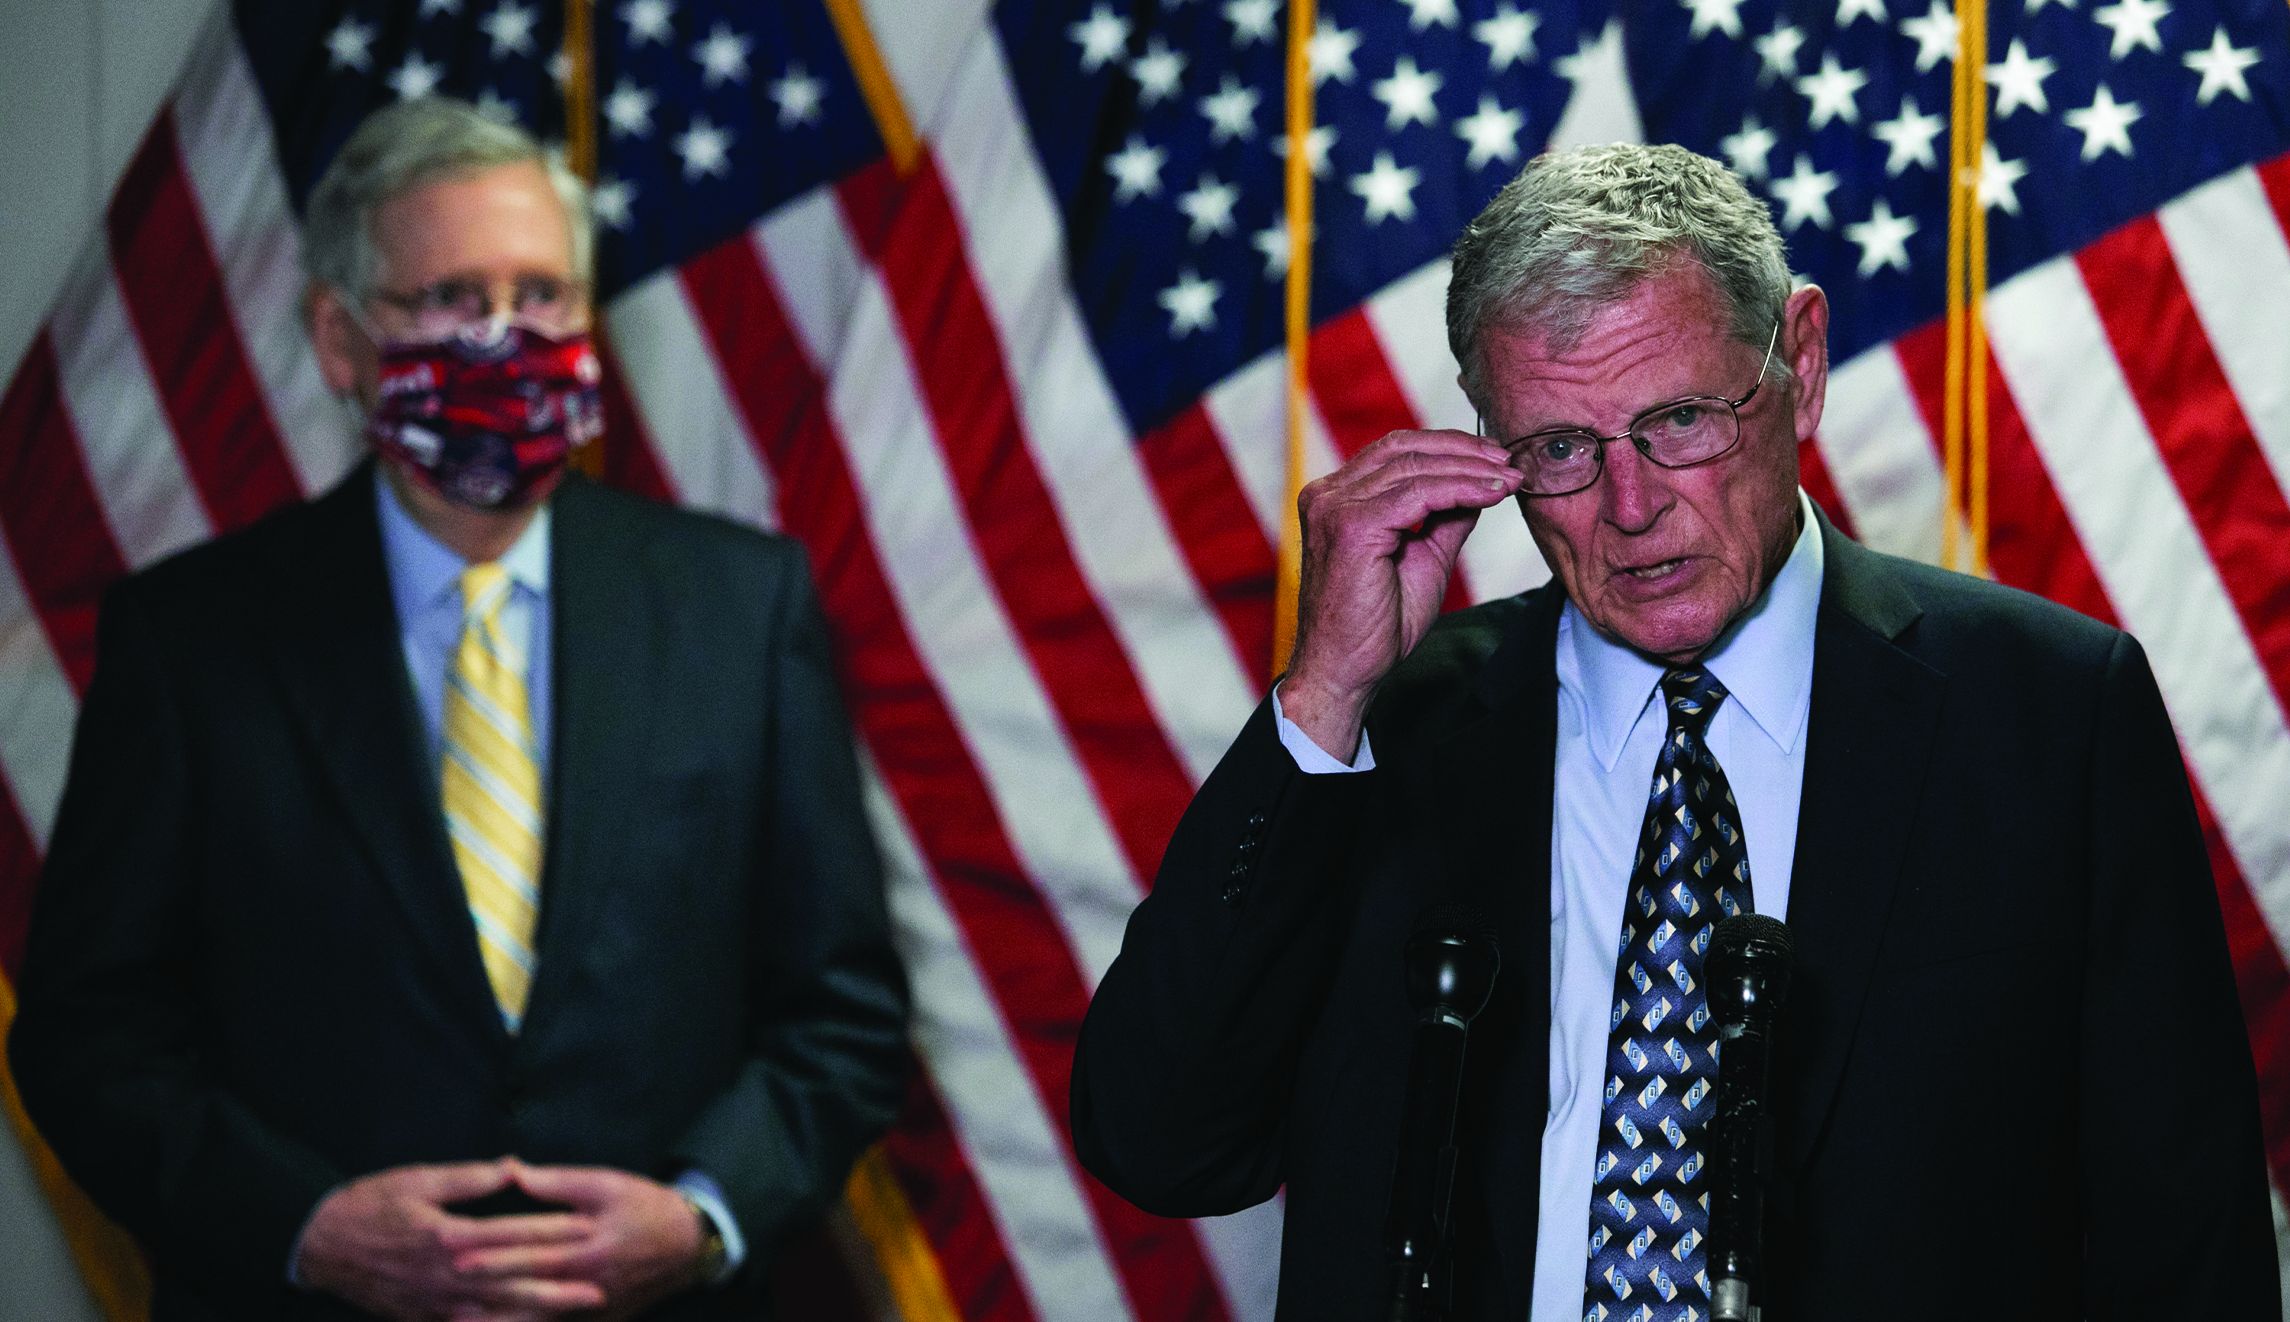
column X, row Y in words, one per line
column 1764, row 659
column 425, row 572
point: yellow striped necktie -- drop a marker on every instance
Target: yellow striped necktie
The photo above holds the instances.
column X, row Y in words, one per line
column 493, row 789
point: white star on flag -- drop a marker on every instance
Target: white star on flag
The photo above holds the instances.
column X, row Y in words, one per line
column 611, row 202
column 416, row 77
column 1317, row 141
column 1751, row 150
column 1778, row 51
column 1388, row 189
column 628, row 110
column 723, row 56
column 1883, row 238
column 1848, row 10
column 1272, row 242
column 1231, row 111
column 2000, row 180
column 1329, row 53
column 1157, row 71
column 1714, row 15
column 1832, row 91
column 2019, row 80
column 1191, row 304
column 509, row 28
column 1509, row 36
column 2221, row 67
column 492, row 105
column 2105, row 124
column 647, row 20
column 1253, row 20
column 1493, row 132
column 705, row 148
column 350, row 46
column 798, row 96
column 1909, row 135
column 2133, row 23
column 1136, row 169
column 1934, row 34
column 1209, row 207
column 1103, row 36
column 1407, row 94
column 1423, row 14
column 430, row 8
column 1805, row 195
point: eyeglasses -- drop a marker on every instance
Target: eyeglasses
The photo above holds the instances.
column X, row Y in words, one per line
column 1563, row 460
column 551, row 304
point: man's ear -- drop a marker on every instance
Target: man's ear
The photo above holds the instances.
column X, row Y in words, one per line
column 336, row 338
column 1805, row 343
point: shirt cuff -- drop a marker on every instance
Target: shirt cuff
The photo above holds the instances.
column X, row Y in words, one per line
column 703, row 1190
column 1311, row 759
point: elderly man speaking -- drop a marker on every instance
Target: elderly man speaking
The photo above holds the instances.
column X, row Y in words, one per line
column 462, row 904
column 2011, row 1079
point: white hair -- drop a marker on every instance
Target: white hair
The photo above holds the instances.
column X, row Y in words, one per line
column 1578, row 230
column 402, row 147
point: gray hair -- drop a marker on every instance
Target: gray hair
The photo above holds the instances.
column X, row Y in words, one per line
column 1579, row 229
column 402, row 147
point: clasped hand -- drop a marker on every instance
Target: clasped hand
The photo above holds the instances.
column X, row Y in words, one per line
column 1381, row 535
column 387, row 1244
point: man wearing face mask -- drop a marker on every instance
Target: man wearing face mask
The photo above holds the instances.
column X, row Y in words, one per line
column 461, row 904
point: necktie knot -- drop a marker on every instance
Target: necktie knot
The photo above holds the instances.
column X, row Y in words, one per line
column 483, row 588
column 1692, row 694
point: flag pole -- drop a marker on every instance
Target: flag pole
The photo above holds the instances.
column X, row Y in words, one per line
column 1302, row 17
column 1964, row 413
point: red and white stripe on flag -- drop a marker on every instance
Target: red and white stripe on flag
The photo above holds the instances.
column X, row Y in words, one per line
column 1050, row 627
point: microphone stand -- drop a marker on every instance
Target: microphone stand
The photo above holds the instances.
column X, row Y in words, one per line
column 1748, row 972
column 1451, row 963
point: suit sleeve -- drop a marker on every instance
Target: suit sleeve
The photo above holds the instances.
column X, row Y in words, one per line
column 828, row 1051
column 105, row 1046
column 1188, row 1055
column 2173, row 1167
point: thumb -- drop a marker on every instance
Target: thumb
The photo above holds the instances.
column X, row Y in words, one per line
column 460, row 1181
column 584, row 1187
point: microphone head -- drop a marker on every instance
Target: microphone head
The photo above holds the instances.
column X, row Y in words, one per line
column 1451, row 961
column 1748, row 964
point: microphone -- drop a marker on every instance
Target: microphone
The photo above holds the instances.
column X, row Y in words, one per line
column 1748, row 974
column 1450, row 966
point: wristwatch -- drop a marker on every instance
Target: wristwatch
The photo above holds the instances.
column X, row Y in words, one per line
column 714, row 1255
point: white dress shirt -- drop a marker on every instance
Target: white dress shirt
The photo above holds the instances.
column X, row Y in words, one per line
column 1610, row 729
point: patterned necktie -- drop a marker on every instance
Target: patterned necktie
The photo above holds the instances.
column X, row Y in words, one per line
column 493, row 789
column 1649, row 1211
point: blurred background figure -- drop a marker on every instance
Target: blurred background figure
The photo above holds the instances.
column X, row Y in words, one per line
column 461, row 903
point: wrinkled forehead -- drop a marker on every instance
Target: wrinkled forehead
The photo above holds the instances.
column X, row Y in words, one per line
column 1666, row 338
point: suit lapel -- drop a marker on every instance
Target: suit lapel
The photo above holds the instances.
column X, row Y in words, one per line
column 604, row 672
column 1875, row 709
column 342, row 665
column 1484, row 797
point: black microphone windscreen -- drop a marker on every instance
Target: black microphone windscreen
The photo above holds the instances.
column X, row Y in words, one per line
column 1749, row 945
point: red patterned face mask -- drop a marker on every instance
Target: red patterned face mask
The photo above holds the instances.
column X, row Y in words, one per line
column 489, row 417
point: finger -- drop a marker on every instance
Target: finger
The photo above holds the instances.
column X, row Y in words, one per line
column 583, row 1187
column 1407, row 506
column 549, row 1260
column 534, row 1292
column 461, row 1234
column 1448, row 442
column 459, row 1181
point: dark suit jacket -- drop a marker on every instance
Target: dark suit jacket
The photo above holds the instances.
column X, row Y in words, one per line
column 252, row 973
column 2013, row 1084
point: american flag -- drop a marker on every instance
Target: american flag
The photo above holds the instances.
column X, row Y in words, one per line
column 983, row 304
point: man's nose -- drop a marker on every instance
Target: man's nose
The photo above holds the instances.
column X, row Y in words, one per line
column 1635, row 490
